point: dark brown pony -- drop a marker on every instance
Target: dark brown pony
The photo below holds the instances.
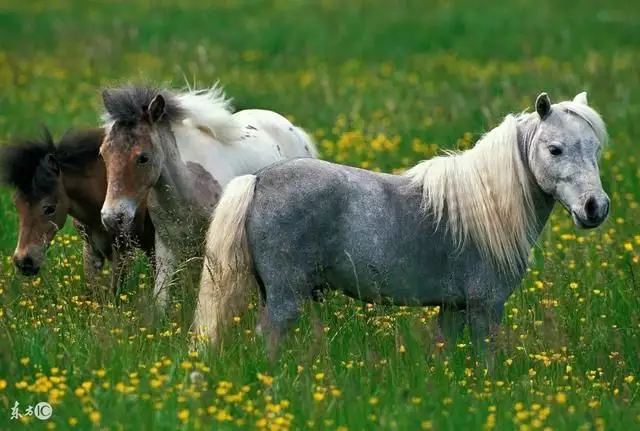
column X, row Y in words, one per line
column 69, row 178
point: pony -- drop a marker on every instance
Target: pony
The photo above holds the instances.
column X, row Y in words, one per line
column 53, row 180
column 177, row 150
column 454, row 231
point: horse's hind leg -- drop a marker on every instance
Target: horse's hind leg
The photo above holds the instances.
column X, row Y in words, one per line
column 282, row 312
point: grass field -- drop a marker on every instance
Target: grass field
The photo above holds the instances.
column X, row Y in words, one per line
column 381, row 85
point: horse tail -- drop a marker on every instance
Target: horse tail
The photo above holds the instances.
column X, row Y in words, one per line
column 227, row 274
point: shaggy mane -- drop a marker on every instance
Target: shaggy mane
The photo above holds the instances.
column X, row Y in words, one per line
column 485, row 192
column 31, row 165
column 207, row 109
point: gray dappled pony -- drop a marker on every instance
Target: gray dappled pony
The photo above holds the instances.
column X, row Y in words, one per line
column 454, row 231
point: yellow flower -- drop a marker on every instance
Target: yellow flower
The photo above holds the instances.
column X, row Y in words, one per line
column 319, row 376
column 24, row 361
column 628, row 246
column 265, row 379
column 573, row 285
column 426, row 425
column 101, row 373
column 73, row 421
column 318, row 396
column 94, row 416
column 183, row 415
column 561, row 398
column 628, row 379
column 373, row 401
column 3, row 384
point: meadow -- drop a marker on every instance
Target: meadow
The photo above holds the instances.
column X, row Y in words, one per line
column 381, row 85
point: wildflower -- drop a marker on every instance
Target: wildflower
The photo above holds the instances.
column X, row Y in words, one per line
column 265, row 379
column 561, row 398
column 94, row 416
column 426, row 425
column 73, row 421
column 183, row 415
column 629, row 379
column 318, row 396
column 3, row 384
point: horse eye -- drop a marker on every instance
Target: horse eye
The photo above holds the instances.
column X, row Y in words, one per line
column 555, row 150
column 49, row 210
column 142, row 159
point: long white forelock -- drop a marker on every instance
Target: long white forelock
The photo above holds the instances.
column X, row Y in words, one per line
column 485, row 193
column 589, row 115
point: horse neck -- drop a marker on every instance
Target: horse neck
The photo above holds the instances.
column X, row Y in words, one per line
column 173, row 192
column 86, row 190
column 543, row 203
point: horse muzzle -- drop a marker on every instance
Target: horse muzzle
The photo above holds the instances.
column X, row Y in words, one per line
column 592, row 212
column 26, row 264
column 119, row 218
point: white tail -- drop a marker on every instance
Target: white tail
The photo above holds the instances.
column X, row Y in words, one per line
column 227, row 274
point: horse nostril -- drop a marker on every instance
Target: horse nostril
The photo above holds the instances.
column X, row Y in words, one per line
column 591, row 208
column 27, row 262
column 26, row 265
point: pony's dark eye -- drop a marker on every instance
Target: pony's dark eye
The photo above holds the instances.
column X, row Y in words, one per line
column 555, row 150
column 142, row 159
column 49, row 210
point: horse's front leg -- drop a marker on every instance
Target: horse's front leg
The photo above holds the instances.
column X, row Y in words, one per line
column 165, row 267
column 451, row 321
column 92, row 263
column 119, row 268
column 484, row 321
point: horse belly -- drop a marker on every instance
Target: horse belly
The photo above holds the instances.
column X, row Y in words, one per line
column 392, row 282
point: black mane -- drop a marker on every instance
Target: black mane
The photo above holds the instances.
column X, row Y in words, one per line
column 32, row 165
column 128, row 104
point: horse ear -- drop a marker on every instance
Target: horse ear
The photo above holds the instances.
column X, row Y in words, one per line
column 543, row 105
column 581, row 98
column 155, row 110
column 51, row 161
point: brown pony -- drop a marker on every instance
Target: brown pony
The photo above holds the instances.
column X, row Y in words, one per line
column 69, row 178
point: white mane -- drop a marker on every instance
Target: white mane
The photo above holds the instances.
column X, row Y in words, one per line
column 208, row 110
column 485, row 191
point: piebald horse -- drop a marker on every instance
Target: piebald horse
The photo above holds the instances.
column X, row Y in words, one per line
column 176, row 151
column 454, row 231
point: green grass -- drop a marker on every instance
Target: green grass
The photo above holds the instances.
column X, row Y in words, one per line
column 381, row 87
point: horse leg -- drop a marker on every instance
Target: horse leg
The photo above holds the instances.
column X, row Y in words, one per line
column 484, row 322
column 119, row 268
column 282, row 312
column 165, row 265
column 451, row 323
column 92, row 263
